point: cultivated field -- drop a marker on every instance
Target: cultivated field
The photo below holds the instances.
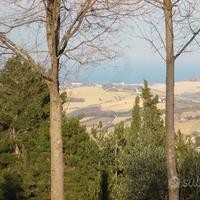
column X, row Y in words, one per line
column 113, row 103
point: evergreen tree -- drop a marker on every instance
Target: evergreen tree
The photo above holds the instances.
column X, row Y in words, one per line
column 24, row 150
column 82, row 162
column 147, row 127
column 112, row 155
column 146, row 93
column 25, row 142
column 152, row 123
column 136, row 117
column 145, row 163
column 145, row 153
column 17, row 87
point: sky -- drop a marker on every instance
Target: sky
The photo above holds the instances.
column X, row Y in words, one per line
column 139, row 62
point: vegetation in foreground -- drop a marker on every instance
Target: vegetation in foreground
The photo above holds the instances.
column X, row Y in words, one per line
column 129, row 163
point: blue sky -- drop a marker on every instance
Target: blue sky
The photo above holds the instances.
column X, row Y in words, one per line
column 139, row 62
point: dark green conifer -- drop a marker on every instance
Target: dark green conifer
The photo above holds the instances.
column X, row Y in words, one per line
column 24, row 138
column 136, row 116
column 152, row 122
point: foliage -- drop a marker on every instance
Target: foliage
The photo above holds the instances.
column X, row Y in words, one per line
column 145, row 163
column 147, row 175
column 112, row 161
column 82, row 160
column 24, row 138
column 128, row 163
column 145, row 156
column 136, row 116
column 152, row 123
column 25, row 142
column 197, row 142
column 190, row 177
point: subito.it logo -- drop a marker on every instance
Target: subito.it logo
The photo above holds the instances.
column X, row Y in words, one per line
column 174, row 182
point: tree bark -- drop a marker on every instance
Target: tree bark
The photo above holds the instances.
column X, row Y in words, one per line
column 173, row 181
column 57, row 165
column 53, row 38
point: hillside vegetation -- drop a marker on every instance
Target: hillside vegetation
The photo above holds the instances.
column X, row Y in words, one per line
column 123, row 164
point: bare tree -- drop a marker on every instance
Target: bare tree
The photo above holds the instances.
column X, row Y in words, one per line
column 55, row 32
column 181, row 27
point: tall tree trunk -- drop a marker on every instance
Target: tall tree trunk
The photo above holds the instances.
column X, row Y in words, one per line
column 57, row 165
column 53, row 38
column 173, row 181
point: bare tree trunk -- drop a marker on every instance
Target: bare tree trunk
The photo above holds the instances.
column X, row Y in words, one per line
column 173, row 181
column 57, row 165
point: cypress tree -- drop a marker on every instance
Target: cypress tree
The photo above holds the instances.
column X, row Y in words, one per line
column 136, row 118
column 145, row 157
column 152, row 123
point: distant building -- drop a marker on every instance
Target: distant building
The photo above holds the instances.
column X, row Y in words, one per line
column 77, row 84
column 195, row 79
column 161, row 100
column 138, row 91
column 118, row 84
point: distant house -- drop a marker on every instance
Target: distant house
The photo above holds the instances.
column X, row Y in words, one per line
column 138, row 91
column 118, row 84
column 77, row 84
column 161, row 100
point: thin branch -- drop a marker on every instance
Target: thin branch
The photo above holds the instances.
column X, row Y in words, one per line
column 187, row 44
column 24, row 55
column 75, row 25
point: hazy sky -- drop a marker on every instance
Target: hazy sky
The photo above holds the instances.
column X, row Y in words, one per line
column 140, row 62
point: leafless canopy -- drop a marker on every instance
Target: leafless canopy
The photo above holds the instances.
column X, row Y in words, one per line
column 186, row 20
column 86, row 30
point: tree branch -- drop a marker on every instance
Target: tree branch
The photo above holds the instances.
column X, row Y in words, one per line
column 19, row 51
column 187, row 44
column 75, row 24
